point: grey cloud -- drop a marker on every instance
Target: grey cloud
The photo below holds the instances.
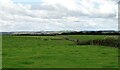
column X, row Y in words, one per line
column 54, row 17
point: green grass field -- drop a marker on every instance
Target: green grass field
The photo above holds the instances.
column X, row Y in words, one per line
column 37, row 52
column 0, row 51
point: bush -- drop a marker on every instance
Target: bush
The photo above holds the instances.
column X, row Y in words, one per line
column 109, row 41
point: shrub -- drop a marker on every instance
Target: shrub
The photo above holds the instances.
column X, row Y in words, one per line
column 109, row 41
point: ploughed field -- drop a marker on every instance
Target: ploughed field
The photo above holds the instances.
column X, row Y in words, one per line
column 57, row 52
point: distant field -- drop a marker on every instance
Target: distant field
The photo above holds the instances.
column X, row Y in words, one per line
column 55, row 52
column 90, row 37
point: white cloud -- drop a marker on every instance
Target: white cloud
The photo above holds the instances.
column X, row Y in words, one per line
column 59, row 15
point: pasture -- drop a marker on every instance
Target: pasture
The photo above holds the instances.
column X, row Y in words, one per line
column 56, row 52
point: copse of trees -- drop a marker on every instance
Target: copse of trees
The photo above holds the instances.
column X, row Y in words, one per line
column 71, row 33
column 34, row 34
column 91, row 33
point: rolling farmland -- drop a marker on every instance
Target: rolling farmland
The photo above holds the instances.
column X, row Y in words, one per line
column 57, row 52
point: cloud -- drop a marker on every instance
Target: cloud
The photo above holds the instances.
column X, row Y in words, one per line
column 58, row 15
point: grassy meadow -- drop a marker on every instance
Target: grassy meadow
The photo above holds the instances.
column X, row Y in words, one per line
column 0, row 51
column 56, row 52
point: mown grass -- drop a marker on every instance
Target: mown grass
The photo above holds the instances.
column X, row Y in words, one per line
column 37, row 52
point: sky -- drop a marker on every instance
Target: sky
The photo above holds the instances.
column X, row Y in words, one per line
column 58, row 15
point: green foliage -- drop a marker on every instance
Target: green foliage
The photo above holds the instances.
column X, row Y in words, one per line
column 111, row 41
